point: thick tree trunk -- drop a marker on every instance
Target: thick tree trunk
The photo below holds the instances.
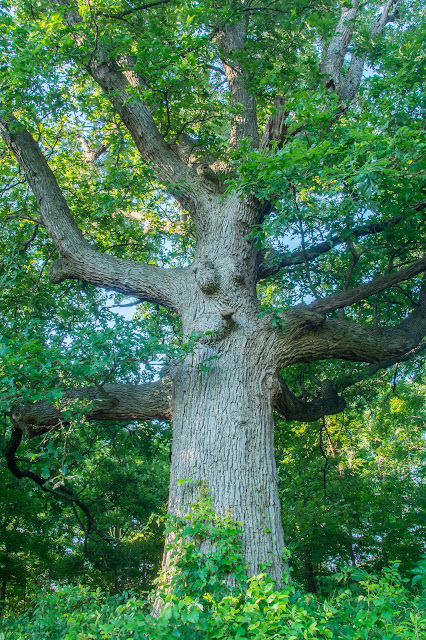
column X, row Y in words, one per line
column 223, row 391
column 223, row 438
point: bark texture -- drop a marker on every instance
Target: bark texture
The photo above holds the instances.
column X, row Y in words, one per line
column 224, row 440
column 108, row 402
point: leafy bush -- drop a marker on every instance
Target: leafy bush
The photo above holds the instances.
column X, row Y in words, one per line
column 207, row 598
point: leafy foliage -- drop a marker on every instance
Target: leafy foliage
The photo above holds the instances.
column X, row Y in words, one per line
column 365, row 607
column 103, row 531
column 353, row 485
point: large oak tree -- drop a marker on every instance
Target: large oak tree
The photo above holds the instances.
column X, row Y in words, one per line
column 286, row 140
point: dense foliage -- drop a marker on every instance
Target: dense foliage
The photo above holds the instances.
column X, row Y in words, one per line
column 353, row 486
column 99, row 523
column 362, row 606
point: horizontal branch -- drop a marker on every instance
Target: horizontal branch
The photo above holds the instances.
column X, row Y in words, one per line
column 272, row 261
column 372, row 369
column 330, row 401
column 120, row 402
column 79, row 259
column 309, row 336
column 351, row 296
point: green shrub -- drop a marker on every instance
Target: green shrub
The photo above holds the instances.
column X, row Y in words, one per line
column 207, row 597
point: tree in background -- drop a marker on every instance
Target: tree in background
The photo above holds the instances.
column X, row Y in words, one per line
column 93, row 523
column 353, row 485
column 253, row 168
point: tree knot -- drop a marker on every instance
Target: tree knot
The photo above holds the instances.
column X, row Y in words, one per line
column 206, row 276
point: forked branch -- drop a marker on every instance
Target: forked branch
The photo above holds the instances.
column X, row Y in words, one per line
column 353, row 77
column 336, row 51
column 60, row 490
column 79, row 259
column 347, row 85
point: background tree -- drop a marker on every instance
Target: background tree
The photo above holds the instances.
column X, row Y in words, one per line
column 93, row 523
column 352, row 485
column 235, row 130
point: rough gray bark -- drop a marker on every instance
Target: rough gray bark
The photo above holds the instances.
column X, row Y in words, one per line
column 221, row 396
column 223, row 439
column 275, row 128
column 336, row 51
column 347, row 85
column 107, row 402
column 354, row 74
column 231, row 40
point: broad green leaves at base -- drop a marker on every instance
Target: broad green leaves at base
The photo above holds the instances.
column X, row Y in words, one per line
column 372, row 608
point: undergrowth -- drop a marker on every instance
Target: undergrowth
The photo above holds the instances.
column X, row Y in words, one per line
column 206, row 596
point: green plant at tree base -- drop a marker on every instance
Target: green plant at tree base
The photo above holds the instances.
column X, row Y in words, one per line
column 208, row 599
column 206, row 553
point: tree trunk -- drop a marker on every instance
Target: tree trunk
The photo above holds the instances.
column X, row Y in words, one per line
column 223, row 438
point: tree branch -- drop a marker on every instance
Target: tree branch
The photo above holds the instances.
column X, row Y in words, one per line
column 353, row 77
column 127, row 12
column 79, row 259
column 309, row 336
column 122, row 85
column 331, row 66
column 179, row 177
column 348, row 297
column 336, row 51
column 329, row 402
column 290, row 407
column 275, row 128
column 232, row 39
column 92, row 154
column 60, row 491
column 120, row 402
column 272, row 261
column 372, row 369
